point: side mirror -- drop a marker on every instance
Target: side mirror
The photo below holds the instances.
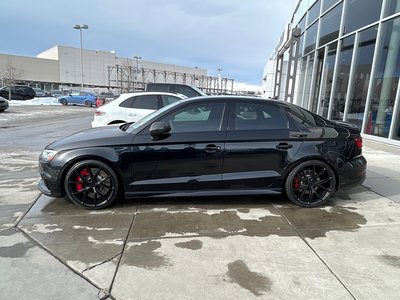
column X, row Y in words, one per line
column 158, row 129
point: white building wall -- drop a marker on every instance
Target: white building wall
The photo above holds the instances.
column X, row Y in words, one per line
column 62, row 64
column 32, row 68
column 269, row 82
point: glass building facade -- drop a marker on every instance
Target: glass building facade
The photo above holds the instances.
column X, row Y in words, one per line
column 348, row 63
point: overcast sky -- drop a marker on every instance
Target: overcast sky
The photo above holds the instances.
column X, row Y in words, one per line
column 235, row 35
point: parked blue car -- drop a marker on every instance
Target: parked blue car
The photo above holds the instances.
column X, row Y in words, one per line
column 79, row 98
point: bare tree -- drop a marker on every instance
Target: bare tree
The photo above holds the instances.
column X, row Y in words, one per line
column 10, row 74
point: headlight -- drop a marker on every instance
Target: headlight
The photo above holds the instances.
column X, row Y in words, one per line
column 47, row 155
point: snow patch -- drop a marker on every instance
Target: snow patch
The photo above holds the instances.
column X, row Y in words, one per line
column 90, row 228
column 44, row 228
column 108, row 242
column 35, row 101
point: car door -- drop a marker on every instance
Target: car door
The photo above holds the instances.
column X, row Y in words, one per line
column 73, row 98
column 82, row 98
column 258, row 146
column 188, row 159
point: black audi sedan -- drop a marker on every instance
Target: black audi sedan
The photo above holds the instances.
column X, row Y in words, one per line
column 207, row 146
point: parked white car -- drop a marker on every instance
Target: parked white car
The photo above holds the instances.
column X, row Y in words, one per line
column 131, row 107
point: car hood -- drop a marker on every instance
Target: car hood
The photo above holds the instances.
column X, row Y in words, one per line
column 95, row 137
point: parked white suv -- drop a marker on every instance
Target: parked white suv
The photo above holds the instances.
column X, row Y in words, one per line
column 131, row 107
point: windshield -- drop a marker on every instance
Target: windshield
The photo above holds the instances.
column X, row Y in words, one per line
column 143, row 120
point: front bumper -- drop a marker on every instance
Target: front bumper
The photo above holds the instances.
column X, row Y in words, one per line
column 49, row 183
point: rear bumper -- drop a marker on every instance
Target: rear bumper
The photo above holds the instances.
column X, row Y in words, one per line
column 353, row 172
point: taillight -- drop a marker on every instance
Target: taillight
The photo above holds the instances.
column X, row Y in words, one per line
column 359, row 143
column 99, row 113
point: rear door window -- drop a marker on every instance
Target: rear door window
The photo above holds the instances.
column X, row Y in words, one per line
column 197, row 118
column 256, row 116
column 146, row 102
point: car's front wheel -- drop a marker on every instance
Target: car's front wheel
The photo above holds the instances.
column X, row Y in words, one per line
column 64, row 101
column 88, row 103
column 310, row 184
column 91, row 184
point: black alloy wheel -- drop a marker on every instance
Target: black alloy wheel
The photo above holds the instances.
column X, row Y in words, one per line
column 88, row 103
column 310, row 184
column 64, row 101
column 91, row 184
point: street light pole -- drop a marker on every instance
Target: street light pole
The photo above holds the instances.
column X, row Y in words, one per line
column 80, row 27
column 137, row 70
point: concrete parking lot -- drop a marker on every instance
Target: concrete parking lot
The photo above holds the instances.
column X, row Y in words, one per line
column 190, row 248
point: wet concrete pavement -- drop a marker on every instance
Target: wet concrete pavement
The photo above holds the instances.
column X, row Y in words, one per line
column 201, row 248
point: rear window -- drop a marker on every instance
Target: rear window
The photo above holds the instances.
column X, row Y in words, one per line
column 141, row 102
column 159, row 88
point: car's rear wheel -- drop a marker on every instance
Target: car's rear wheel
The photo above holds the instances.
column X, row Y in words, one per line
column 64, row 101
column 91, row 184
column 88, row 103
column 310, row 184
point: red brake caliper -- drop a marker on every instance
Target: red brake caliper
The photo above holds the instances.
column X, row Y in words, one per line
column 79, row 181
column 296, row 183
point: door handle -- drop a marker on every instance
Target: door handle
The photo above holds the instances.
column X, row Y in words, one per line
column 212, row 148
column 284, row 146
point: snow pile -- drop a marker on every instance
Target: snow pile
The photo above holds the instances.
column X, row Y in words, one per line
column 35, row 101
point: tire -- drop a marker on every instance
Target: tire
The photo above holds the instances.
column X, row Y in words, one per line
column 88, row 103
column 91, row 184
column 64, row 101
column 310, row 184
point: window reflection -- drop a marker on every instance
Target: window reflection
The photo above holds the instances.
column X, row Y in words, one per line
column 302, row 65
column 392, row 7
column 327, row 85
column 328, row 4
column 330, row 24
column 307, row 84
column 362, row 75
column 311, row 38
column 302, row 24
column 342, row 81
column 360, row 13
column 318, row 81
column 386, row 81
column 313, row 13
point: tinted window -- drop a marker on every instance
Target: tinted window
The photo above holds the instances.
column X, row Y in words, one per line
column 184, row 90
column 141, row 102
column 158, row 88
column 392, row 7
column 146, row 102
column 250, row 116
column 360, row 13
column 196, row 118
column 328, row 4
column 128, row 102
column 330, row 25
column 311, row 37
column 167, row 100
column 313, row 13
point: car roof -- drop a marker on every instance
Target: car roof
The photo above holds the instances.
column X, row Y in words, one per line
column 128, row 95
column 230, row 98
